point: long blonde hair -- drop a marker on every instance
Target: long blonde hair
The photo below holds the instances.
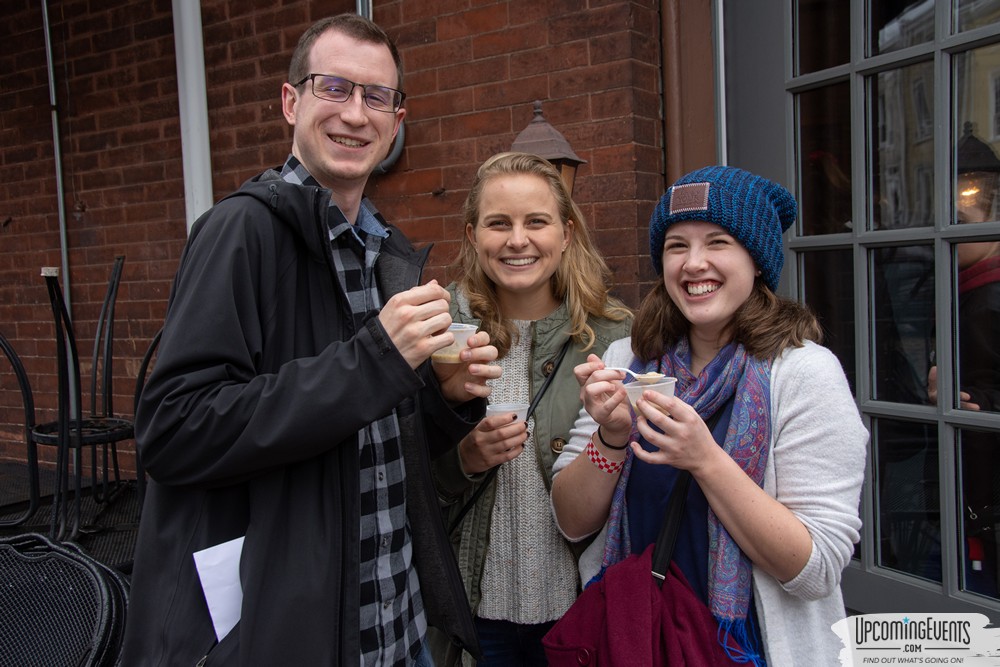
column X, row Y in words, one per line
column 581, row 279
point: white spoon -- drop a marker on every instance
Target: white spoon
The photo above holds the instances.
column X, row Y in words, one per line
column 645, row 378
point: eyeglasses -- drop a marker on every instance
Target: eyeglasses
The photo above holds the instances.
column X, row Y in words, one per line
column 336, row 89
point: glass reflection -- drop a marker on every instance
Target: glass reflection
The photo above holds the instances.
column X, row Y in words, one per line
column 825, row 139
column 823, row 34
column 897, row 25
column 971, row 14
column 909, row 528
column 976, row 89
column 978, row 270
column 978, row 325
column 903, row 162
column 903, row 312
column 828, row 289
column 979, row 467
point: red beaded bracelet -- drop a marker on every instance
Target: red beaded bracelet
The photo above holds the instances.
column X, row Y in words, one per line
column 601, row 461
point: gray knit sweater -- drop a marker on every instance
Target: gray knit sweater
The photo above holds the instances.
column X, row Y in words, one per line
column 530, row 573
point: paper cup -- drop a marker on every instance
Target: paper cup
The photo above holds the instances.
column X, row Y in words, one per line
column 635, row 389
column 519, row 409
column 449, row 355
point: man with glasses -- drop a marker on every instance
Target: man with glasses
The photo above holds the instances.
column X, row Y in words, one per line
column 290, row 419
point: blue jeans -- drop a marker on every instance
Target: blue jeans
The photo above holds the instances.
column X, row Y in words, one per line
column 506, row 644
column 424, row 658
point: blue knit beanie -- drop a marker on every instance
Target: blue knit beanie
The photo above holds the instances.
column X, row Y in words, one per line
column 754, row 210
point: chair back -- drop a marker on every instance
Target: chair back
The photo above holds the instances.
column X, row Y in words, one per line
column 60, row 606
column 67, row 360
column 28, row 405
column 67, row 353
column 104, row 338
column 27, row 397
column 72, row 430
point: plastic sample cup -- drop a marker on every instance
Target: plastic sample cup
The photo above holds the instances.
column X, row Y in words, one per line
column 635, row 389
column 519, row 409
column 449, row 355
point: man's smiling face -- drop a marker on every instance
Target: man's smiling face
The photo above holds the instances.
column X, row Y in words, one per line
column 341, row 143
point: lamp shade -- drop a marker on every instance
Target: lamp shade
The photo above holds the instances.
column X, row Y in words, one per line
column 540, row 138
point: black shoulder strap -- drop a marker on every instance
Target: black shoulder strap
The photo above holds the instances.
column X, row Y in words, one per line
column 492, row 472
column 667, row 539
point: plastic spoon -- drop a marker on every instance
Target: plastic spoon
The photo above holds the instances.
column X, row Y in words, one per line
column 645, row 378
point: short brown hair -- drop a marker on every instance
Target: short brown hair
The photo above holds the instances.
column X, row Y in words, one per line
column 351, row 25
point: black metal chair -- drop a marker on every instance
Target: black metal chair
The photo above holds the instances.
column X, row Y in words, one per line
column 28, row 402
column 73, row 429
column 60, row 606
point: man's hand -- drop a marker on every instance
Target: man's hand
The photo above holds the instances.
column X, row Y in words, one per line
column 417, row 321
column 466, row 380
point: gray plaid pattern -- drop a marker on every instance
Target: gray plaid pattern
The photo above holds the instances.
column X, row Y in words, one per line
column 392, row 613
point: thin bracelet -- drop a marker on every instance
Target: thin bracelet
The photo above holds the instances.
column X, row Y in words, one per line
column 601, row 461
column 605, row 442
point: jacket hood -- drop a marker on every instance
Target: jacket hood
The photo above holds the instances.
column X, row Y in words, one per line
column 298, row 207
column 305, row 210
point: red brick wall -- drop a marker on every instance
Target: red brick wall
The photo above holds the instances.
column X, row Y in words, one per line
column 472, row 77
column 117, row 105
column 473, row 70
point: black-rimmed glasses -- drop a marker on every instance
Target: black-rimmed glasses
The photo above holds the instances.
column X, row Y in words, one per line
column 337, row 89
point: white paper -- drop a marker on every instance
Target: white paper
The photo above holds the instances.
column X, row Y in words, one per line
column 219, row 572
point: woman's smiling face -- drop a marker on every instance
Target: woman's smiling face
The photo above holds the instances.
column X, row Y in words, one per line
column 708, row 275
column 519, row 239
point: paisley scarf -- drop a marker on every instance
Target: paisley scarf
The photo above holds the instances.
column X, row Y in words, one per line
column 747, row 441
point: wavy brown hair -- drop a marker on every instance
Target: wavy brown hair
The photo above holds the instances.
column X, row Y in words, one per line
column 765, row 324
column 581, row 280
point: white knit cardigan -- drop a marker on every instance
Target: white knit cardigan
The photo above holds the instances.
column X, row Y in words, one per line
column 816, row 469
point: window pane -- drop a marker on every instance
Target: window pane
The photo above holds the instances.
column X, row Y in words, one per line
column 825, row 138
column 979, row 466
column 897, row 25
column 971, row 14
column 903, row 305
column 903, row 160
column 978, row 325
column 829, row 291
column 909, row 527
column 976, row 91
column 823, row 34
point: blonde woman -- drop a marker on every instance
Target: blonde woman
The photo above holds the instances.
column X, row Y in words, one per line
column 531, row 277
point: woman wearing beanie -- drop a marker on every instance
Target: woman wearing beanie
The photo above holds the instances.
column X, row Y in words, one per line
column 772, row 512
column 530, row 276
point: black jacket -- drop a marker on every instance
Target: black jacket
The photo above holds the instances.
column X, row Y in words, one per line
column 248, row 426
column 978, row 352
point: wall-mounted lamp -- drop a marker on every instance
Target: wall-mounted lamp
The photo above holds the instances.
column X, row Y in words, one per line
column 540, row 138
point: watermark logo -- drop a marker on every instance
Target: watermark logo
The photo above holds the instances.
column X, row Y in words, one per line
column 918, row 639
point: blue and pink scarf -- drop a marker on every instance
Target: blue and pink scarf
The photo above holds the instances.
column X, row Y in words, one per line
column 747, row 442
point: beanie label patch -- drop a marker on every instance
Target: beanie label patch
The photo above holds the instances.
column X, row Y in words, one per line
column 689, row 197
